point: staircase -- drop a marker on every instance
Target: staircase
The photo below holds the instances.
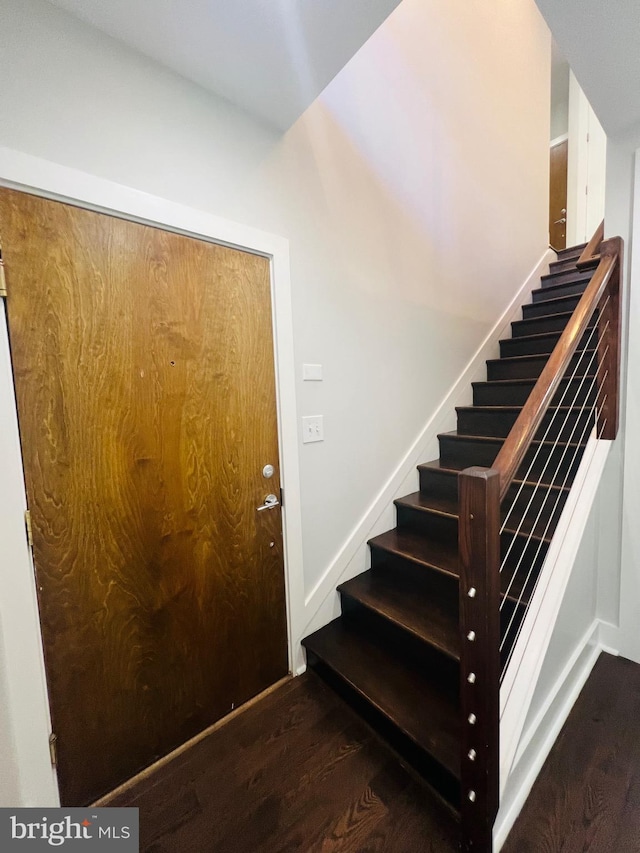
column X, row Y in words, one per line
column 395, row 652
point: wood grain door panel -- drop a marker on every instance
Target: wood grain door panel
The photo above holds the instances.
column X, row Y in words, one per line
column 144, row 372
column 558, row 195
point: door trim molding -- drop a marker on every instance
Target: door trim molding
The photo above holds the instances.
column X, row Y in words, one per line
column 24, row 664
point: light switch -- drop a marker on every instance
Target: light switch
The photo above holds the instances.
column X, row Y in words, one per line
column 312, row 429
column 312, row 372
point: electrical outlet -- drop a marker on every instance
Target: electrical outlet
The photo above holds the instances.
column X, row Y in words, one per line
column 312, row 429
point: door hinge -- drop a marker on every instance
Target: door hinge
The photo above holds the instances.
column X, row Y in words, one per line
column 281, row 497
column 27, row 522
column 53, row 749
column 3, row 280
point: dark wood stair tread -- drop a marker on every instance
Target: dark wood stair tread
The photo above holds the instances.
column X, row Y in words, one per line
column 445, row 470
column 455, row 435
column 419, row 549
column 537, row 356
column 512, row 409
column 424, row 709
column 505, row 383
column 446, row 506
column 554, row 300
column 433, row 554
column 433, row 618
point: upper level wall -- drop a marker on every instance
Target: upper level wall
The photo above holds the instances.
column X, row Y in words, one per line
column 414, row 194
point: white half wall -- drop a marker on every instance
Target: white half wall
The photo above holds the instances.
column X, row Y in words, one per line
column 414, row 206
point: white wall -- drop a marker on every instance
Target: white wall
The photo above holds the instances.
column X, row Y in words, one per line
column 559, row 94
column 414, row 204
column 587, row 168
column 619, row 536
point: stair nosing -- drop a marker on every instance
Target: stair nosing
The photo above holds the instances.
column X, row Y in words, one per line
column 553, row 299
column 513, row 359
column 531, row 379
column 454, row 434
column 455, row 472
column 455, row 773
column 419, row 561
column 456, row 515
column 440, row 647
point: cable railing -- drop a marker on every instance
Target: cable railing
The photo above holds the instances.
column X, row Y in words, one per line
column 509, row 512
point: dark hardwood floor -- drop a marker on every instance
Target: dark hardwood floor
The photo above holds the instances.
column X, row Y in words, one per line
column 587, row 797
column 298, row 771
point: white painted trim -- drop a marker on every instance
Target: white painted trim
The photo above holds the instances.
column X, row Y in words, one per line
column 352, row 558
column 546, row 727
column 41, row 177
column 522, row 673
column 559, row 140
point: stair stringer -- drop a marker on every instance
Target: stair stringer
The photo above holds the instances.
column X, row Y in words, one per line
column 521, row 677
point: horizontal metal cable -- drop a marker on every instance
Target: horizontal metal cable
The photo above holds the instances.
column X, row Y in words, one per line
column 549, row 492
column 566, row 391
column 535, row 586
column 548, row 462
column 549, row 521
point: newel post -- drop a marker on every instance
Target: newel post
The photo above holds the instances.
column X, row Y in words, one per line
column 479, row 550
column 609, row 346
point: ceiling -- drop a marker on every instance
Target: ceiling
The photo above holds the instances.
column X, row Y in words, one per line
column 601, row 42
column 270, row 57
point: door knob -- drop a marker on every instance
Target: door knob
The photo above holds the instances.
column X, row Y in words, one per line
column 270, row 502
column 560, row 221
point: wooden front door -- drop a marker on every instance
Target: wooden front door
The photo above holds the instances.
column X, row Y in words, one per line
column 558, row 195
column 144, row 371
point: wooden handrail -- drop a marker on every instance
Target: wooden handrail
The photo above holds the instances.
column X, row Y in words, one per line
column 517, row 442
column 590, row 256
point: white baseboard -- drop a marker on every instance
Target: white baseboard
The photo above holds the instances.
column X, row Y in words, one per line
column 542, row 733
column 321, row 604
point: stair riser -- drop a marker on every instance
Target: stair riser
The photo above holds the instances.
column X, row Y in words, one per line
column 568, row 276
column 555, row 306
column 542, row 508
column 440, row 486
column 426, row 766
column 561, row 266
column 571, row 252
column 539, row 326
column 463, row 453
column 526, row 556
column 353, row 607
column 558, row 290
column 517, row 395
column 407, row 644
column 399, row 564
column 531, row 368
column 569, row 426
column 440, row 527
column 517, row 346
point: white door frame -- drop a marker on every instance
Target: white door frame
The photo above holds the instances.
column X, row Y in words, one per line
column 27, row 723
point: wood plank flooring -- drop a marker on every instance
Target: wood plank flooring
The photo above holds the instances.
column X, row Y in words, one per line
column 298, row 771
column 587, row 797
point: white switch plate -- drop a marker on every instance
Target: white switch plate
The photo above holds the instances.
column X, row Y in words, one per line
column 312, row 429
column 312, row 372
